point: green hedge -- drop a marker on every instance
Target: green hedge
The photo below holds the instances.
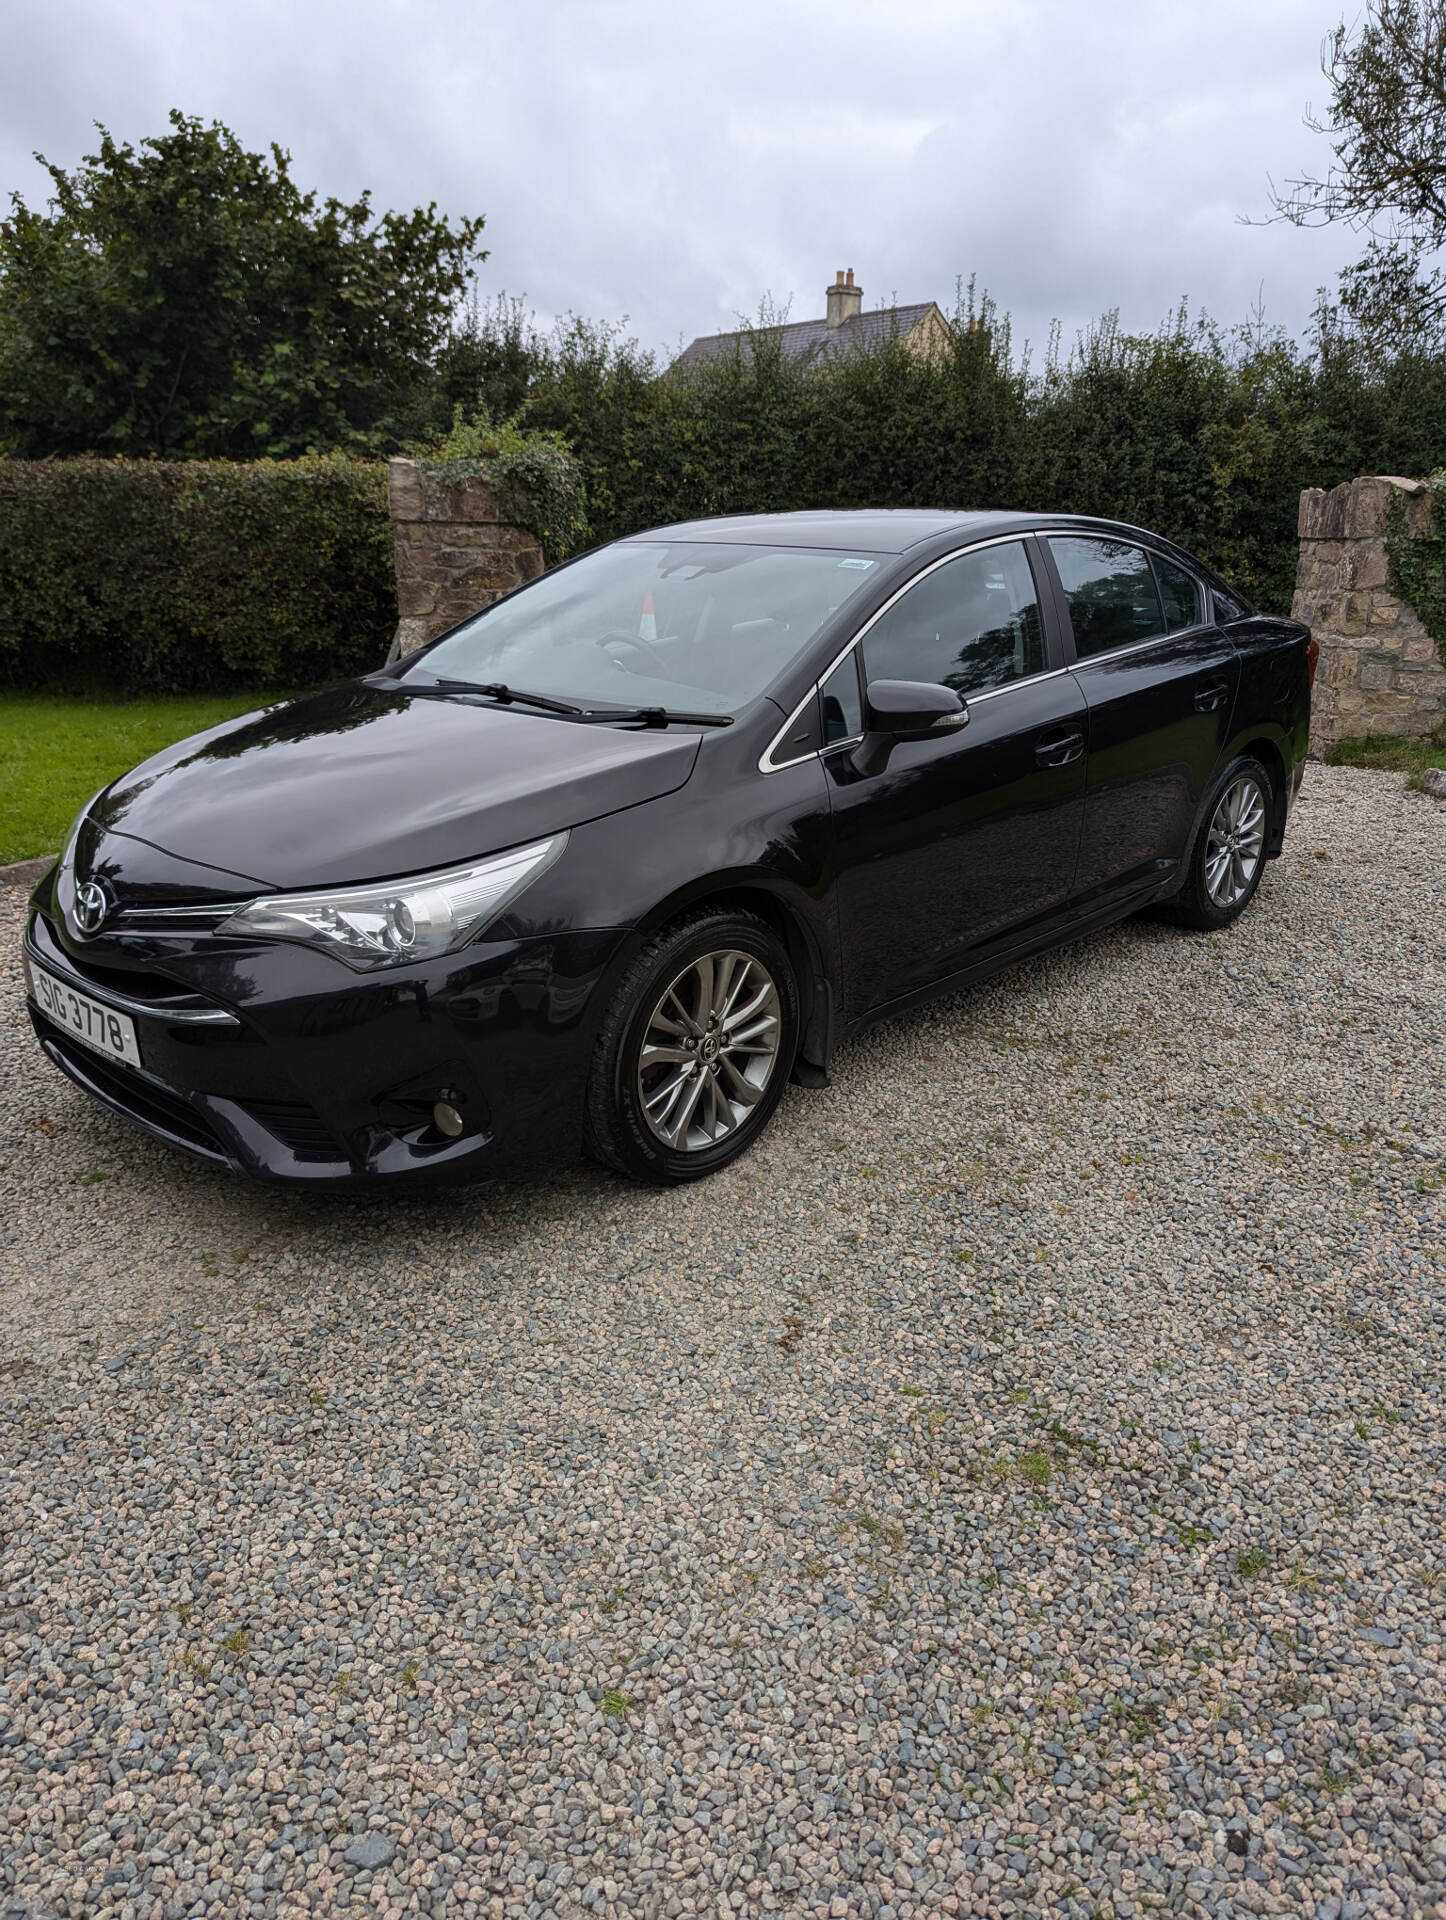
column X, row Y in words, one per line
column 207, row 575
column 1205, row 434
column 188, row 575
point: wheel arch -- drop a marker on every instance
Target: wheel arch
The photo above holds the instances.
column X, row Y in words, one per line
column 1264, row 749
column 791, row 920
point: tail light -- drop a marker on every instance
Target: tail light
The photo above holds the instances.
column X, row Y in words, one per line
column 1312, row 660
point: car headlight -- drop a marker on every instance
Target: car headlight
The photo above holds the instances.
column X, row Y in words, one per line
column 390, row 922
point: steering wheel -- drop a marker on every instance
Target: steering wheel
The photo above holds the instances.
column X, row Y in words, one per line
column 617, row 637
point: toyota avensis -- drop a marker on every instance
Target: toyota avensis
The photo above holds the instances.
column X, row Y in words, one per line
column 611, row 861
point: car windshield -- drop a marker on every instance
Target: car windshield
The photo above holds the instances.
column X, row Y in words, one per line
column 675, row 624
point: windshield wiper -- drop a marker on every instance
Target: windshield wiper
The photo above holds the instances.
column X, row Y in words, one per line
column 597, row 716
column 495, row 690
column 654, row 717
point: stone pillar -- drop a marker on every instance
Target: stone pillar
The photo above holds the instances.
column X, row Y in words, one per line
column 455, row 550
column 1380, row 672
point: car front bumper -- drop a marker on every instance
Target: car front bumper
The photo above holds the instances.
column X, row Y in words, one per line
column 279, row 1062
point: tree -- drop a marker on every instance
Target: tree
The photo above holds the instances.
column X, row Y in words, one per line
column 493, row 358
column 1387, row 123
column 186, row 298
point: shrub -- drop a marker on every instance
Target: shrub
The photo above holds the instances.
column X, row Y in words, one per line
column 181, row 576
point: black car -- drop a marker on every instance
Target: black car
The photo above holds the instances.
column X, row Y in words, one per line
column 605, row 865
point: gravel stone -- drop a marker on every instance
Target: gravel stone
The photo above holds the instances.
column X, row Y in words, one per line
column 1015, row 1488
column 373, row 1851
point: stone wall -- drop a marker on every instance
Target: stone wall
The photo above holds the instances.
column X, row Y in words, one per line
column 1380, row 672
column 455, row 551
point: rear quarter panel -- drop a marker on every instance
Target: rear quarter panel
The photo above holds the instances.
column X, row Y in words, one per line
column 1272, row 705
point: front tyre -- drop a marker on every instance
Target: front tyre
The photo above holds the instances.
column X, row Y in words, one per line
column 695, row 1050
column 1228, row 858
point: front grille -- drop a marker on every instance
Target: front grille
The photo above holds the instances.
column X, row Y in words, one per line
column 137, row 982
column 299, row 1127
column 142, row 1099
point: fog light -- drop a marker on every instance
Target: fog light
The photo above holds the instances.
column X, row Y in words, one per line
column 447, row 1120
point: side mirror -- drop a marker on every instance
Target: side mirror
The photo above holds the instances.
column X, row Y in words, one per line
column 905, row 710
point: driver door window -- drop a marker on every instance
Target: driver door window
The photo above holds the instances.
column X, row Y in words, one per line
column 971, row 624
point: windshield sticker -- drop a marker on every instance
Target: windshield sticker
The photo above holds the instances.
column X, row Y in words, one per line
column 864, row 564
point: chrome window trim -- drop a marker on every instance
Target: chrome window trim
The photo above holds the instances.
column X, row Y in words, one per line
column 123, row 1003
column 1009, row 686
column 767, row 764
column 1138, row 646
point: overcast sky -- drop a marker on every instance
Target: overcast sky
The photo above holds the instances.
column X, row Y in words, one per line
column 674, row 163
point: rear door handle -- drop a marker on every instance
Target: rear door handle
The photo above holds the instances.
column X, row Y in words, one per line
column 1059, row 748
column 1210, row 695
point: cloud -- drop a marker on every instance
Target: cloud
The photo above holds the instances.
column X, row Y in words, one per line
column 674, row 163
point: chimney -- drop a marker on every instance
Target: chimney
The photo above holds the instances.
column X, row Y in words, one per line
column 844, row 298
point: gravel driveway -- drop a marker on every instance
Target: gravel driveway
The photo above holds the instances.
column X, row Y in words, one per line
column 1017, row 1487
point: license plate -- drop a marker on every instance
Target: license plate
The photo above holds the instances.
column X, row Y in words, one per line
column 99, row 1026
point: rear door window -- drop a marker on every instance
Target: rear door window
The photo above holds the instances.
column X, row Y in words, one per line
column 1111, row 591
column 1179, row 593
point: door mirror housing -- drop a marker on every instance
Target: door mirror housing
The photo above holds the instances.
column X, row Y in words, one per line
column 899, row 710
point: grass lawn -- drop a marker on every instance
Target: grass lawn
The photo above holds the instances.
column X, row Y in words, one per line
column 56, row 749
column 1411, row 757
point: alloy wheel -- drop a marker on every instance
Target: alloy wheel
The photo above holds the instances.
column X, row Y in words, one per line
column 1235, row 842
column 709, row 1050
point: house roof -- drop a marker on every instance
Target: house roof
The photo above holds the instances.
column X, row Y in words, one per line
column 809, row 339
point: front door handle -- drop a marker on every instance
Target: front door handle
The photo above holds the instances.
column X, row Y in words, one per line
column 1211, row 694
column 1059, row 748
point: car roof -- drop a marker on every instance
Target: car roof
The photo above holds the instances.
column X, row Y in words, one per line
column 866, row 529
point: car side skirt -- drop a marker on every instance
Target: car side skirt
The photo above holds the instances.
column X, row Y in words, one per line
column 999, row 962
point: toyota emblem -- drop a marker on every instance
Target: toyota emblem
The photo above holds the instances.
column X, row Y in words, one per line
column 91, row 907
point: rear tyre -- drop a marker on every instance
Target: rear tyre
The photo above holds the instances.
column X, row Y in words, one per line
column 695, row 1050
column 1228, row 858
